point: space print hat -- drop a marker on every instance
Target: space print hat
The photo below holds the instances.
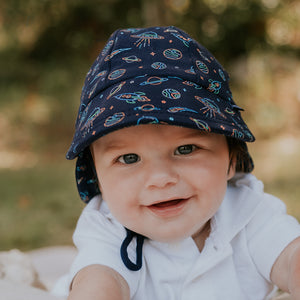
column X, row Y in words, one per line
column 151, row 75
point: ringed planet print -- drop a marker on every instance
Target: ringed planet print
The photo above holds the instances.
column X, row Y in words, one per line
column 154, row 80
column 171, row 93
column 173, row 54
column 116, row 74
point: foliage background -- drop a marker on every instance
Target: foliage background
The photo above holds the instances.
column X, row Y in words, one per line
column 46, row 48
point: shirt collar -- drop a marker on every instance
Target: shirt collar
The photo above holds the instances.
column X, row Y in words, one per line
column 243, row 196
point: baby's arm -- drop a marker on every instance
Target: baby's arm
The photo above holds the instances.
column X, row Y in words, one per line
column 286, row 270
column 97, row 282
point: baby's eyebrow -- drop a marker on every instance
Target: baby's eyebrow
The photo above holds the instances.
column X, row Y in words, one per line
column 111, row 147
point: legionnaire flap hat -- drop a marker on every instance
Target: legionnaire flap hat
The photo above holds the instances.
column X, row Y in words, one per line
column 152, row 75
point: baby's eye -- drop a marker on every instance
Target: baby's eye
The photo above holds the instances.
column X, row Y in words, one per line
column 185, row 149
column 129, row 158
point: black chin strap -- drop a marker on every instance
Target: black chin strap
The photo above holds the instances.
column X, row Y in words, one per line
column 139, row 248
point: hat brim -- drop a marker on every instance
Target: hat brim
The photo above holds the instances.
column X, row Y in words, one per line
column 159, row 100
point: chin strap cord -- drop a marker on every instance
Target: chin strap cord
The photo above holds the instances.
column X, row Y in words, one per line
column 139, row 250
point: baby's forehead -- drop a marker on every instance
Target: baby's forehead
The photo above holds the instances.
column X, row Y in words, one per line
column 147, row 131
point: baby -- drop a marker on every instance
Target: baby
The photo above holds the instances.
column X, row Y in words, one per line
column 173, row 211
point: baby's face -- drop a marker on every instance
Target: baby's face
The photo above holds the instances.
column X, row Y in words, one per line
column 164, row 182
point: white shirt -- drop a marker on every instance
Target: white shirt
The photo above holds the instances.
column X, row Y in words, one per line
column 249, row 231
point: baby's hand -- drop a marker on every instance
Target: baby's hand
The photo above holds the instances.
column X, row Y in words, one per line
column 286, row 270
column 97, row 282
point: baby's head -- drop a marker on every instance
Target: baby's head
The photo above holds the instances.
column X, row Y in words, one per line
column 156, row 75
column 158, row 135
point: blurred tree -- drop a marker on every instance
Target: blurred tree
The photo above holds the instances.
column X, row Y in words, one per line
column 62, row 29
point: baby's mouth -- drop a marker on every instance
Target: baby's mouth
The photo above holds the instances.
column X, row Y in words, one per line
column 167, row 203
column 169, row 208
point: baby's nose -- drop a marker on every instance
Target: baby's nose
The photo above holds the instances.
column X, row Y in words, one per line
column 161, row 174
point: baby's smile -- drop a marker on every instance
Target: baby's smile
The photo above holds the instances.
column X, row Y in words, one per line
column 169, row 208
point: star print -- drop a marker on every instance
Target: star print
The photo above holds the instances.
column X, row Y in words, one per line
column 152, row 53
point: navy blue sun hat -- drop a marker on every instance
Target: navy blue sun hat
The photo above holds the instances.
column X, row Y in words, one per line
column 152, row 75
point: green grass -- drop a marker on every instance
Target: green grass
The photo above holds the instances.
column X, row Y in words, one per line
column 39, row 206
